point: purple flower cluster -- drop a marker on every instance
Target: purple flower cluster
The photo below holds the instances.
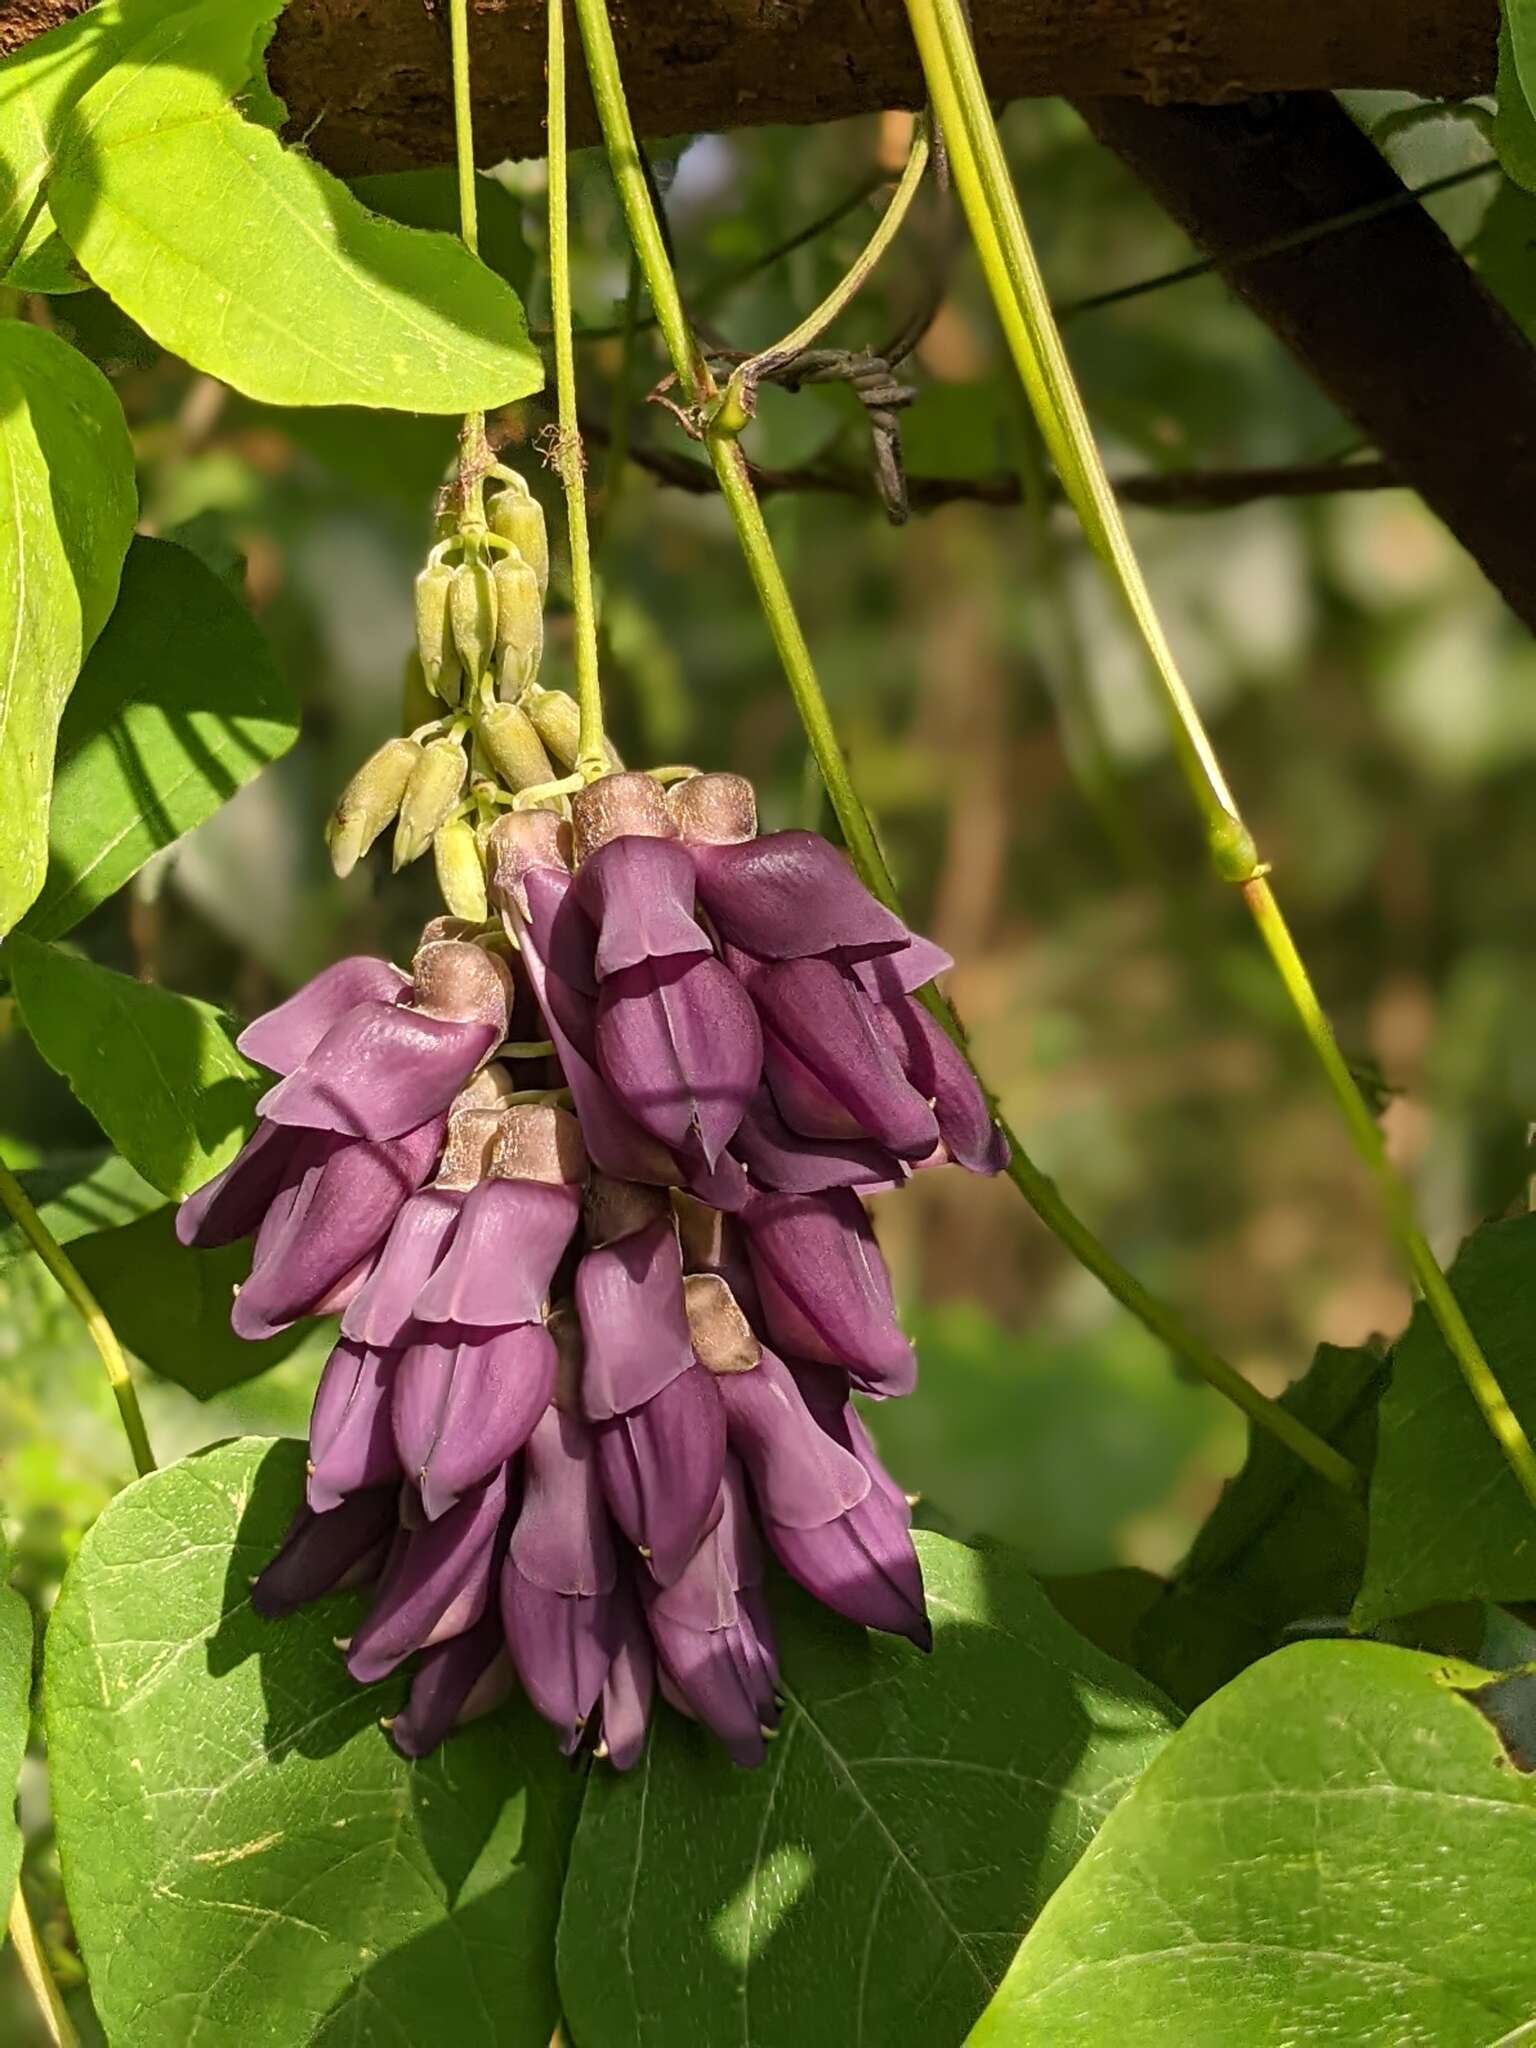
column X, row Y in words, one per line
column 594, row 1366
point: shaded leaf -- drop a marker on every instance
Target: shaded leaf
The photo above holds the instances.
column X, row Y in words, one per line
column 870, row 1881
column 15, row 1716
column 1514, row 124
column 256, row 265
column 430, row 199
column 246, row 1857
column 158, row 1071
column 1334, row 1848
column 67, row 507
column 1107, row 1606
column 1282, row 1547
column 1448, row 1519
column 44, row 262
column 170, row 1307
column 78, row 1193
column 161, row 729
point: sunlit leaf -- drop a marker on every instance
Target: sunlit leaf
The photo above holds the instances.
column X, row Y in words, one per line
column 15, row 1716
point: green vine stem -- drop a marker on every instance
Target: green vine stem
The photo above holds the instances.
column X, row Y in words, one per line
column 991, row 203
column 13, row 1197
column 569, row 460
column 474, row 454
column 40, row 1982
column 735, row 483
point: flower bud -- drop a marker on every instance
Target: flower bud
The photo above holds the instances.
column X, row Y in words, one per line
column 369, row 803
column 434, row 633
column 516, row 514
column 519, row 624
column 434, row 788
column 460, row 871
column 513, row 748
column 472, row 612
column 557, row 721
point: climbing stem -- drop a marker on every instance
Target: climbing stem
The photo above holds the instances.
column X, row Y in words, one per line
column 13, row 1197
column 569, row 459
column 858, row 832
column 474, row 454
column 958, row 97
column 40, row 1981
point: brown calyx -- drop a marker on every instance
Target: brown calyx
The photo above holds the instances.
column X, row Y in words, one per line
column 462, row 982
column 723, row 1340
column 618, row 1208
column 626, row 806
column 539, row 1141
column 714, row 810
column 518, row 842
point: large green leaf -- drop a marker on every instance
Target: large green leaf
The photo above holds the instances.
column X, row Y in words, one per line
column 429, row 198
column 158, row 1071
column 1335, row 1848
column 1448, row 1519
column 871, row 1880
column 160, row 730
column 247, row 1859
column 15, row 1717
column 67, row 507
column 256, row 265
column 171, row 1306
column 1280, row 1547
column 77, row 1194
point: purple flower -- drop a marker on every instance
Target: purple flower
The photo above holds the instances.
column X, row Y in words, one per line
column 327, row 1553
column 455, row 1682
column 436, row 1585
column 283, row 1038
column 351, row 1440
column 825, row 1292
column 631, row 1681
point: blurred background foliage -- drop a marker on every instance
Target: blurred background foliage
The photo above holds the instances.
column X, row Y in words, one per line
column 1372, row 700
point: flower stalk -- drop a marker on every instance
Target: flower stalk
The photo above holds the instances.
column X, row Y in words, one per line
column 991, row 203
column 731, row 472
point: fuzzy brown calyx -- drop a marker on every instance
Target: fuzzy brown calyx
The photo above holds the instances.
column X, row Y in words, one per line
column 714, row 810
column 516, row 844
column 458, row 980
column 618, row 1208
column 539, row 1141
column 626, row 806
column 723, row 1340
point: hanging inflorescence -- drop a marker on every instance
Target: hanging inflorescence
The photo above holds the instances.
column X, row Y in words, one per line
column 585, row 1188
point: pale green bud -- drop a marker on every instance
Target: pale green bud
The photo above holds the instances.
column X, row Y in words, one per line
column 436, row 783
column 516, row 514
column 472, row 609
column 519, row 624
column 512, row 746
column 460, row 870
column 557, row 720
column 434, row 633
column 369, row 802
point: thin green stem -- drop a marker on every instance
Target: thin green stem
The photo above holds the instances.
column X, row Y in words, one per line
column 474, row 454
column 568, row 456
column 858, row 832
column 40, row 1981
column 1013, row 277
column 13, row 1197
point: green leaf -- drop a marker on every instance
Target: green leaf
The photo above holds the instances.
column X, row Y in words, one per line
column 246, row 1858
column 15, row 1717
column 871, row 1880
column 1281, row 1546
column 170, row 1306
column 1448, row 1519
column 77, row 1194
column 67, row 507
column 161, row 729
column 1335, row 1848
column 44, row 263
column 430, row 199
column 1514, row 124
column 257, row 266
column 158, row 1071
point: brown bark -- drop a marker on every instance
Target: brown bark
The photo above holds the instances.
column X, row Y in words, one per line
column 366, row 81
column 1386, row 316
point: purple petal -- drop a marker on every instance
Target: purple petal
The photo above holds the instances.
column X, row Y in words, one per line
column 824, row 1389
column 511, row 1236
column 888, row 976
column 831, row 1071
column 800, row 1477
column 630, row 1683
column 939, row 1071
column 496, row 1387
column 323, row 1553
column 562, row 1645
column 862, row 1566
column 727, row 1676
column 661, row 1467
column 351, row 1444
column 563, row 935
column 780, row 1160
column 283, row 1039
column 704, row 1594
column 455, row 1682
column 824, row 1289
column 233, row 1203
column 789, row 895
column 381, row 1314
column 343, row 1208
column 437, row 1585
column 679, row 1044
column 629, row 1296
column 562, row 1540
column 639, row 894
column 380, row 1071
